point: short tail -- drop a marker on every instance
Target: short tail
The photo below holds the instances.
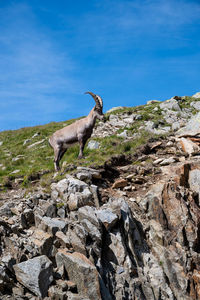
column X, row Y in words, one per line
column 49, row 140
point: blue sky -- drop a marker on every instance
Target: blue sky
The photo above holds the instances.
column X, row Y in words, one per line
column 128, row 52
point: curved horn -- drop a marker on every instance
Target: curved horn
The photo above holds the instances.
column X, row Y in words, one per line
column 97, row 99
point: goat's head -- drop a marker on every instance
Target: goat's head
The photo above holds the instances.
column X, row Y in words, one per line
column 98, row 107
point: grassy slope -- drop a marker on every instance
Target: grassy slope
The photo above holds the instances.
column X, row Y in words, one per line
column 39, row 159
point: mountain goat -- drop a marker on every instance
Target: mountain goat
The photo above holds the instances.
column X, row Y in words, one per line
column 77, row 132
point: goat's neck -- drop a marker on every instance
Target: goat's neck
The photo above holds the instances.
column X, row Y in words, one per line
column 91, row 118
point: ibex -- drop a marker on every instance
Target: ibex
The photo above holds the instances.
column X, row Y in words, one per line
column 79, row 131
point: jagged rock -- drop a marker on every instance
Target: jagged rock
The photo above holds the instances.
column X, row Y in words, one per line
column 170, row 104
column 77, row 237
column 168, row 161
column 42, row 241
column 27, row 218
column 51, row 225
column 176, row 126
column 55, row 293
column 194, row 182
column 195, row 104
column 188, row 146
column 5, row 209
column 107, row 217
column 87, row 173
column 89, row 213
column 18, row 291
column 61, row 212
column 36, row 274
column 192, row 128
column 74, row 192
column 48, row 208
column 82, row 272
column 63, row 239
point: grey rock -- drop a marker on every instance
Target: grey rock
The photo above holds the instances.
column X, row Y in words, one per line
column 194, row 181
column 93, row 145
column 42, row 241
column 26, row 141
column 75, row 185
column 61, row 212
column 188, row 146
column 176, row 126
column 93, row 172
column 88, row 213
column 36, row 274
column 27, row 218
column 168, row 161
column 74, row 192
column 8, row 261
column 48, row 208
column 107, row 217
column 93, row 231
column 170, row 104
column 82, row 272
column 36, row 144
column 51, row 225
column 55, row 293
column 77, row 237
column 195, row 104
column 35, row 135
column 149, row 125
column 63, row 239
column 192, row 128
column 1, row 143
column 5, row 209
column 123, row 134
column 84, row 175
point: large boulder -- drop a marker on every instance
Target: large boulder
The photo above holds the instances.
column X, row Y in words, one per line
column 192, row 128
column 35, row 274
column 74, row 192
column 170, row 104
column 81, row 271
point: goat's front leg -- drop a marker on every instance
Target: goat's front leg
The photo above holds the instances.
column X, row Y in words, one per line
column 56, row 158
column 82, row 145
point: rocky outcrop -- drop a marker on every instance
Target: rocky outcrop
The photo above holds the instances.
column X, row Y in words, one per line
column 139, row 244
